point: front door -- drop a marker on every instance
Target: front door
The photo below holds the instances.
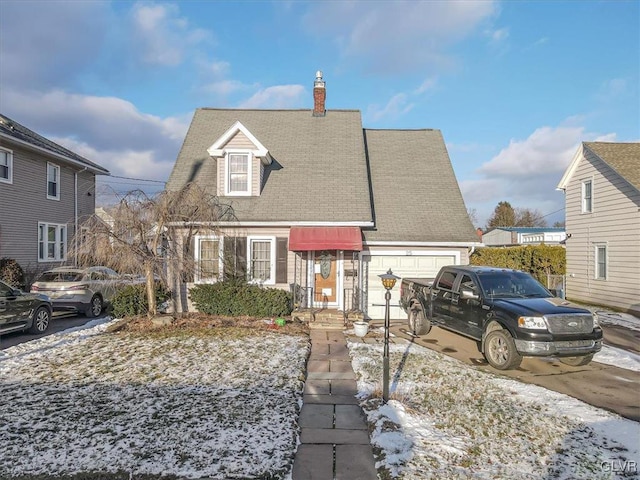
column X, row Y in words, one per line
column 325, row 271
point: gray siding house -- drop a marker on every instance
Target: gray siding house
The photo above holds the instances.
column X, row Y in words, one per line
column 602, row 195
column 45, row 191
column 511, row 236
column 323, row 205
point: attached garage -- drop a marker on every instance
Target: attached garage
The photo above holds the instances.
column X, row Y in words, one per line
column 404, row 264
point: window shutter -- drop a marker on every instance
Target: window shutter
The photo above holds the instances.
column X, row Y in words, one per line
column 235, row 257
column 281, row 259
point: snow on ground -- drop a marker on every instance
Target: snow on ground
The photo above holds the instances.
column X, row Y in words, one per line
column 192, row 406
column 226, row 407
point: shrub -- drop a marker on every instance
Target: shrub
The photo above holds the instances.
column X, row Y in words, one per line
column 11, row 272
column 131, row 300
column 538, row 260
column 237, row 298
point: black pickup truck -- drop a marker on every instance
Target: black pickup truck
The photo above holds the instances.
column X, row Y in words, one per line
column 508, row 312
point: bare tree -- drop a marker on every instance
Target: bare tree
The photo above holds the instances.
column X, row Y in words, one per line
column 526, row 217
column 151, row 236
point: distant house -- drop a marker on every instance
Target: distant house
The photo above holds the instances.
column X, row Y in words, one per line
column 512, row 236
column 45, row 191
column 323, row 205
column 602, row 195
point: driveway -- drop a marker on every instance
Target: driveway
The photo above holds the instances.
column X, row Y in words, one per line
column 604, row 386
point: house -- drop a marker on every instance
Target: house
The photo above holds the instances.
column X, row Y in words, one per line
column 511, row 236
column 324, row 206
column 45, row 191
column 602, row 196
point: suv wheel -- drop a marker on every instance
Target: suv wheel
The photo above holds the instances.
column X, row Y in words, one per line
column 500, row 350
column 418, row 323
column 41, row 320
column 95, row 307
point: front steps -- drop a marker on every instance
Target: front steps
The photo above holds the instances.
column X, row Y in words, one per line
column 327, row 318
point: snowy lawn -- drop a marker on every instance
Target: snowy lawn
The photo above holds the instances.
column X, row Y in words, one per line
column 222, row 403
column 446, row 420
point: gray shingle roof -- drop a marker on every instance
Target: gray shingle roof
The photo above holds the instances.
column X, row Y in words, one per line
column 416, row 196
column 19, row 132
column 624, row 158
column 319, row 172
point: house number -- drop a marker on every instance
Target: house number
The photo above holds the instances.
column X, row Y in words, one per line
column 325, row 264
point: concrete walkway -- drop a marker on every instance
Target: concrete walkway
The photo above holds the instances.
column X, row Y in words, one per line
column 334, row 436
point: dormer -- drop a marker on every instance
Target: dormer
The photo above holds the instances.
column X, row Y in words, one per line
column 241, row 160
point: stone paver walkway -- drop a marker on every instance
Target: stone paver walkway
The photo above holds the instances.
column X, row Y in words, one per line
column 334, row 437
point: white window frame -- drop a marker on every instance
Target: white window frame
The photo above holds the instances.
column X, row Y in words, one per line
column 198, row 274
column 9, row 156
column 56, row 169
column 227, row 169
column 59, row 242
column 583, row 197
column 597, row 273
column 272, row 260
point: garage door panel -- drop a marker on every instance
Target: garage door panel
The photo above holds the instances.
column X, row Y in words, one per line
column 404, row 266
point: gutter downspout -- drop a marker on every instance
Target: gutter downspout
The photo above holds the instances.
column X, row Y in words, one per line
column 75, row 214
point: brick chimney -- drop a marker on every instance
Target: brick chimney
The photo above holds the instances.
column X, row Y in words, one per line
column 319, row 96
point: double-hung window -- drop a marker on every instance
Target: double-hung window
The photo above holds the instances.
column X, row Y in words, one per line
column 238, row 181
column 601, row 262
column 52, row 242
column 208, row 258
column 262, row 257
column 53, row 181
column 587, row 196
column 6, row 166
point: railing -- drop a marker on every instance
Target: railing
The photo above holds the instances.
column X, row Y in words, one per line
column 352, row 299
column 302, row 297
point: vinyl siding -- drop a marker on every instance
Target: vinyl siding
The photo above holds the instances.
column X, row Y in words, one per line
column 240, row 142
column 614, row 222
column 24, row 203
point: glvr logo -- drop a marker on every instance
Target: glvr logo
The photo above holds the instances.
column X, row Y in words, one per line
column 620, row 466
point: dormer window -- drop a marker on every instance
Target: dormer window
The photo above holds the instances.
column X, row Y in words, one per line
column 238, row 169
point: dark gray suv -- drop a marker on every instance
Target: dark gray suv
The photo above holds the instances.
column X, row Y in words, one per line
column 23, row 311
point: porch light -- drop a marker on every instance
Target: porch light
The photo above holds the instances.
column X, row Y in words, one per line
column 388, row 282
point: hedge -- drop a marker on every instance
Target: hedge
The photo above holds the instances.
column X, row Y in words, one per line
column 131, row 300
column 237, row 298
column 11, row 272
column 538, row 260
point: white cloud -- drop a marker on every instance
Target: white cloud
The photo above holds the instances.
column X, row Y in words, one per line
column 47, row 43
column 428, row 85
column 397, row 106
column 399, row 35
column 161, row 36
column 279, row 96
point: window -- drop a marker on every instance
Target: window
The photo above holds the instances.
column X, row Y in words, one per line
column 587, row 196
column 601, row 262
column 208, row 257
column 262, row 260
column 6, row 166
column 53, row 181
column 52, row 242
column 238, row 180
column 447, row 280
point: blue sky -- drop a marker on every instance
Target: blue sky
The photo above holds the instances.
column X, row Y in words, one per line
column 514, row 86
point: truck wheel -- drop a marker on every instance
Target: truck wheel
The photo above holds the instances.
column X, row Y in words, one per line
column 500, row 350
column 41, row 320
column 418, row 323
column 95, row 307
column 577, row 361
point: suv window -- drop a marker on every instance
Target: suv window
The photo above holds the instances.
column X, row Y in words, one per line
column 446, row 280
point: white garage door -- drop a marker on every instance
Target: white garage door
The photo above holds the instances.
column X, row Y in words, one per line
column 403, row 266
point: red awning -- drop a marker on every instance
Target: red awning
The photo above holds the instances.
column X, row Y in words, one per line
column 325, row 238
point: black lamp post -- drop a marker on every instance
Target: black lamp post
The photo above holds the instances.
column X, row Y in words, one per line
column 388, row 281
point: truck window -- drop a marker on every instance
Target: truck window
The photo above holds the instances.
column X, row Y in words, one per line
column 467, row 283
column 446, row 280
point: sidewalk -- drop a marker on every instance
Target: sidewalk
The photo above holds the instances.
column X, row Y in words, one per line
column 334, row 437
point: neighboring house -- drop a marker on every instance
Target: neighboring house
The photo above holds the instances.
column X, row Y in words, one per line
column 602, row 195
column 511, row 236
column 45, row 191
column 324, row 206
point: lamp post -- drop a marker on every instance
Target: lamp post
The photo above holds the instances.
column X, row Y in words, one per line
column 388, row 281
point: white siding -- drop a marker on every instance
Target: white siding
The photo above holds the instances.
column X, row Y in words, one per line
column 614, row 222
